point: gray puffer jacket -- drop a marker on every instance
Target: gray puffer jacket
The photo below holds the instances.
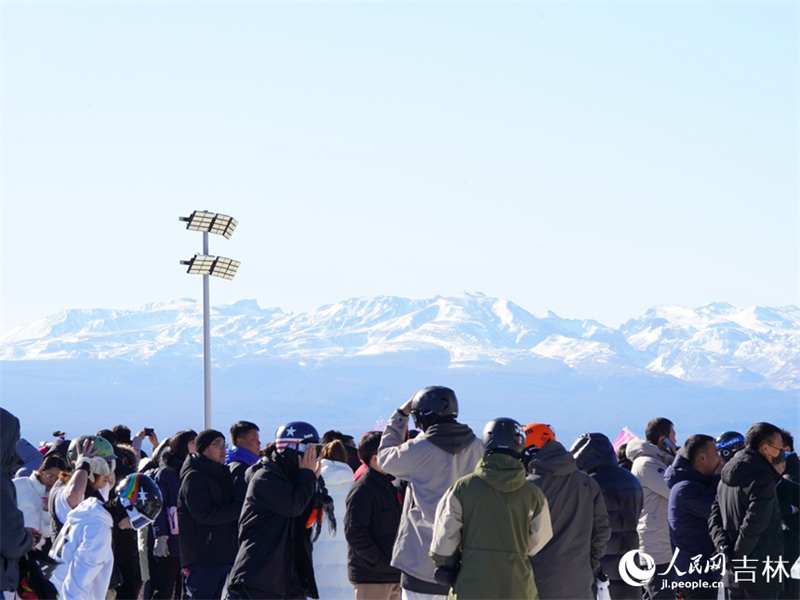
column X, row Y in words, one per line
column 565, row 567
column 431, row 463
column 649, row 465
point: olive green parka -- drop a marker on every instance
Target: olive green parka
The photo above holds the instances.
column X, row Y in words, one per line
column 496, row 519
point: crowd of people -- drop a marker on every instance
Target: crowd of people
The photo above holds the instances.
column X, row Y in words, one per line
column 420, row 513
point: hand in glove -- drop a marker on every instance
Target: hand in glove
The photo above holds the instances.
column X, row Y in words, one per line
column 448, row 573
column 160, row 549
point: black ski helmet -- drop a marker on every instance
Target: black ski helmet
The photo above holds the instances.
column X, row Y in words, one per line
column 141, row 498
column 296, row 435
column 432, row 404
column 729, row 443
column 504, row 435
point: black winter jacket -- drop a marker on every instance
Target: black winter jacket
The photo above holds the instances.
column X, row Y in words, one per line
column 622, row 492
column 274, row 557
column 126, row 544
column 745, row 518
column 371, row 521
column 15, row 540
column 207, row 513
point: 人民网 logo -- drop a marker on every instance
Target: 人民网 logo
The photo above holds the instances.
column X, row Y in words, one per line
column 632, row 573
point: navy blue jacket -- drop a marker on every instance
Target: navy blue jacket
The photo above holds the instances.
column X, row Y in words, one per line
column 168, row 480
column 690, row 498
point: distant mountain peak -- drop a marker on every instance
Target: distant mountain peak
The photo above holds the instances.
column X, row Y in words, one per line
column 716, row 343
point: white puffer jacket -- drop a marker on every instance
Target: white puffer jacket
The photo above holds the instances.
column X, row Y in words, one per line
column 84, row 549
column 649, row 465
column 32, row 501
column 330, row 552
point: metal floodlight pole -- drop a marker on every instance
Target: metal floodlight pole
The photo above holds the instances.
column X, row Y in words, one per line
column 206, row 265
column 206, row 344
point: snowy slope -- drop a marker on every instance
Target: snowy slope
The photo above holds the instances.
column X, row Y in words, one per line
column 716, row 344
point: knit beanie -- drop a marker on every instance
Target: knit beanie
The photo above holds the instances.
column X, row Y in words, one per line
column 205, row 437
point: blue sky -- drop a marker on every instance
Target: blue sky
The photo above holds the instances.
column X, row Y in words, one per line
column 590, row 158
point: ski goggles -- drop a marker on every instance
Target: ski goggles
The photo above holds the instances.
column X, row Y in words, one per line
column 138, row 520
column 298, row 445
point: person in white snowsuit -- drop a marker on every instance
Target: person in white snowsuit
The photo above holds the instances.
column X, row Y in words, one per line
column 87, row 557
column 330, row 549
column 84, row 548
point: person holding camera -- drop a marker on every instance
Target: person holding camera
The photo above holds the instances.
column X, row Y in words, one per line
column 280, row 510
column 431, row 463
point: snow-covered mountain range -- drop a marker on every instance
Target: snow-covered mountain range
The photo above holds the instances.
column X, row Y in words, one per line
column 714, row 345
column 349, row 364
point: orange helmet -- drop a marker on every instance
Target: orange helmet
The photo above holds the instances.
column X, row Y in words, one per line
column 538, row 434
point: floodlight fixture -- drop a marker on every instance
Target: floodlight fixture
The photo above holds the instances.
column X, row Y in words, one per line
column 199, row 264
column 218, row 266
column 225, row 268
column 209, row 222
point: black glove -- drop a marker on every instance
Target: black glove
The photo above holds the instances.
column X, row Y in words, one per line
column 448, row 573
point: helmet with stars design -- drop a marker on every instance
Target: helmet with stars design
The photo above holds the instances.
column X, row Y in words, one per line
column 141, row 498
column 296, row 435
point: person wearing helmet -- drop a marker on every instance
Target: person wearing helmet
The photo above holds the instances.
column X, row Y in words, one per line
column 207, row 517
column 537, row 435
column 728, row 444
column 83, row 548
column 491, row 521
column 430, row 463
column 568, row 565
column 92, row 461
column 275, row 543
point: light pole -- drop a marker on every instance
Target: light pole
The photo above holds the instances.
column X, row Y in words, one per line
column 205, row 265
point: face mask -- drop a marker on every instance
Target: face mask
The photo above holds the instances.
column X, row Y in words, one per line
column 778, row 460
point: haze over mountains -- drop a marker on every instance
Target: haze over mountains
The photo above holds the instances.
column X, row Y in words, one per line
column 351, row 362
